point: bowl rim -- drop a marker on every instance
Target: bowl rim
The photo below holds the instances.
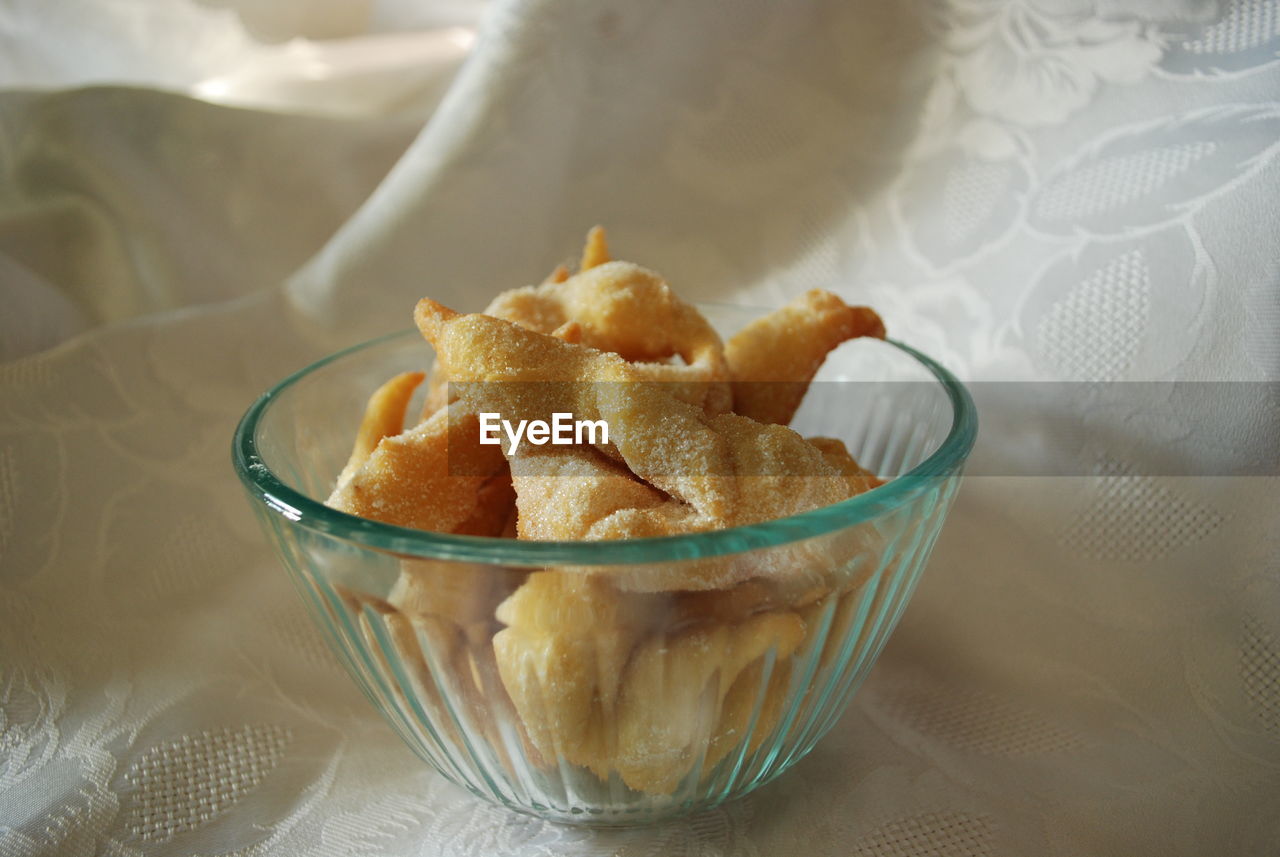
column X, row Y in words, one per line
column 271, row 493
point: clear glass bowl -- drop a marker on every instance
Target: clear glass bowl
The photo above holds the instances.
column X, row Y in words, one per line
column 615, row 701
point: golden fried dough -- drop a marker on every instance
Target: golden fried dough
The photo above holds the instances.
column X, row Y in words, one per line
column 622, row 308
column 464, row 594
column 495, row 503
column 773, row 359
column 438, row 383
column 561, row 658
column 479, row 351
column 653, row 673
column 596, row 251
column 632, row 312
column 558, row 275
column 597, row 681
column 383, row 417
column 750, row 697
column 671, row 706
column 437, row 392
column 696, row 473
column 407, row 480
column 858, row 478
column 730, row 469
column 562, row 492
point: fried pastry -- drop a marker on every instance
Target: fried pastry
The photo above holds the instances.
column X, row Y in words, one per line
column 462, row 593
column 731, row 470
column 565, row 493
column 561, row 658
column 651, row 673
column 672, row 706
column 773, row 359
column 857, row 477
column 407, row 479
column 383, row 417
column 596, row 251
column 598, row 680
column 622, row 308
column 494, row 509
column 558, row 274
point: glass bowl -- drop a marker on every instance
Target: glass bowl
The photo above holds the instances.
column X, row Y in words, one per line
column 614, row 699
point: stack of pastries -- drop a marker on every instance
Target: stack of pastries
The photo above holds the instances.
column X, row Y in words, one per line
column 647, row 672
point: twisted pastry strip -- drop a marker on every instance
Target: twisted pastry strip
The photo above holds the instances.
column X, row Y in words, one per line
column 729, row 469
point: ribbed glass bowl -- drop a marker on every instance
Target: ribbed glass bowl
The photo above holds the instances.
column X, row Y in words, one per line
column 614, row 705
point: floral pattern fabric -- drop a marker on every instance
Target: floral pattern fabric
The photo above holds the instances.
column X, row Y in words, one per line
column 1073, row 191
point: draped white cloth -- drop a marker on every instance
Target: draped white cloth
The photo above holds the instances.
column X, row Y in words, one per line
column 1026, row 189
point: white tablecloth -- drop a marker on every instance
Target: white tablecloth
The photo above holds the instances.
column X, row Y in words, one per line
column 1026, row 189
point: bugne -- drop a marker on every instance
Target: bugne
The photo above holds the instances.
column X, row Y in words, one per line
column 563, row 430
